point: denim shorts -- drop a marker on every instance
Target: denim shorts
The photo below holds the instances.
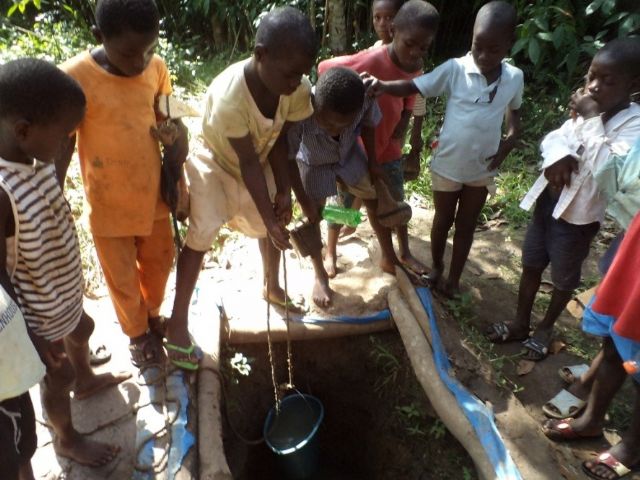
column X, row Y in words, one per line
column 18, row 439
column 562, row 244
column 600, row 325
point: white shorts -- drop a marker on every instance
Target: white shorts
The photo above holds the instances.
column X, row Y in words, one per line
column 217, row 198
column 443, row 184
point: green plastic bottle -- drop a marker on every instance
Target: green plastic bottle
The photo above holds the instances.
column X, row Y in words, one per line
column 342, row 215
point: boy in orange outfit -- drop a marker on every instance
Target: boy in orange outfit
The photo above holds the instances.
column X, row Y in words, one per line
column 120, row 162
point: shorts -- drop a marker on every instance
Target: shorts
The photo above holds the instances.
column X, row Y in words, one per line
column 602, row 326
column 607, row 257
column 394, row 172
column 443, row 184
column 562, row 244
column 217, row 198
column 18, row 439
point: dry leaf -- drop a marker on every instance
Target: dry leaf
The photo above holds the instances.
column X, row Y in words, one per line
column 524, row 367
column 556, row 346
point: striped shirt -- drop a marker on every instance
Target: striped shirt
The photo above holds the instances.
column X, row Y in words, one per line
column 47, row 272
column 322, row 159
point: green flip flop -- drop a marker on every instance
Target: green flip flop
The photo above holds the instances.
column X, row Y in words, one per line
column 191, row 363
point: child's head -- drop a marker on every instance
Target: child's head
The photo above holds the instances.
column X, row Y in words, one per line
column 285, row 49
column 40, row 106
column 493, row 35
column 614, row 74
column 338, row 99
column 413, row 30
column 383, row 13
column 128, row 31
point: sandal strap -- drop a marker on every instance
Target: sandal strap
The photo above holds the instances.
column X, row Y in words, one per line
column 536, row 346
column 563, row 403
column 501, row 329
column 613, row 463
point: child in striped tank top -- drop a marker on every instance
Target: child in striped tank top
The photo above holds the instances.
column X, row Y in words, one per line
column 40, row 264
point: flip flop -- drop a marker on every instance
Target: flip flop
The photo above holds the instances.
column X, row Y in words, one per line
column 563, row 405
column 571, row 373
column 190, row 360
column 146, row 352
column 535, row 350
column 562, row 431
column 499, row 332
column 99, row 355
column 609, row 461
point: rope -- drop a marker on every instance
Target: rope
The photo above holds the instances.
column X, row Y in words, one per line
column 290, row 385
column 269, row 343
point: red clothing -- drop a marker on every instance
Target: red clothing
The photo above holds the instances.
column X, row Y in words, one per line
column 377, row 62
column 619, row 293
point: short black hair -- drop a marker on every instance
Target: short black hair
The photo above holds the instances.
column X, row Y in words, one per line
column 285, row 29
column 37, row 91
column 116, row 16
column 497, row 15
column 340, row 90
column 396, row 3
column 625, row 52
column 417, row 13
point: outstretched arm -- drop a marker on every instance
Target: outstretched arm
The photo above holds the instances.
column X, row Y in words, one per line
column 279, row 161
column 63, row 159
column 396, row 88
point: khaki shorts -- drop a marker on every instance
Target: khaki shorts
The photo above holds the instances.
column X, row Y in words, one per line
column 364, row 189
column 442, row 184
column 217, row 198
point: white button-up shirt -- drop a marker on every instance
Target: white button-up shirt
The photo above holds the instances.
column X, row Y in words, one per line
column 473, row 119
column 591, row 143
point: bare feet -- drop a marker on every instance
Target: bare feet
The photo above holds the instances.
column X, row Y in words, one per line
column 414, row 264
column 97, row 383
column 346, row 231
column 85, row 451
column 322, row 293
column 388, row 266
column 448, row 289
column 277, row 297
column 330, row 265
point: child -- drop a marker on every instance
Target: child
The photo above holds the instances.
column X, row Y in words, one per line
column 241, row 176
column 120, row 162
column 613, row 315
column 414, row 28
column 20, row 369
column 569, row 207
column 326, row 147
column 40, row 107
column 480, row 87
column 383, row 13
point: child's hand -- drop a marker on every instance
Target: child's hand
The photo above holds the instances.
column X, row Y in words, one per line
column 374, row 87
column 283, row 208
column 583, row 104
column 505, row 147
column 559, row 174
column 279, row 236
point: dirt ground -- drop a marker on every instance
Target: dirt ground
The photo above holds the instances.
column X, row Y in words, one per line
column 378, row 423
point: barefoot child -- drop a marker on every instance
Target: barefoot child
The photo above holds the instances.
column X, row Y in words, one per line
column 480, row 87
column 326, row 147
column 414, row 28
column 569, row 207
column 614, row 314
column 40, row 107
column 20, row 369
column 120, row 161
column 240, row 174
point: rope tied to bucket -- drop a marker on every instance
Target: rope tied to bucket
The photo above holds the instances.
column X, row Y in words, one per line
column 277, row 391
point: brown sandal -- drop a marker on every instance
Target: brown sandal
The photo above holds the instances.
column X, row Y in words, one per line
column 146, row 351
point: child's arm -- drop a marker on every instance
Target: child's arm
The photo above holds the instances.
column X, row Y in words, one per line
column 279, row 161
column 63, row 159
column 368, row 135
column 44, row 348
column 310, row 208
column 509, row 142
column 396, row 88
column 253, row 178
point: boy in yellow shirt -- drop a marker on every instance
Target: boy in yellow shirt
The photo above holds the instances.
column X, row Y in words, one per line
column 121, row 161
column 240, row 175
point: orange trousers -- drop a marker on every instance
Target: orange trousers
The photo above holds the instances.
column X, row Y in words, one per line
column 136, row 270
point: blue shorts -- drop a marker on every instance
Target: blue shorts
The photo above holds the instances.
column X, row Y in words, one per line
column 395, row 181
column 562, row 244
column 602, row 326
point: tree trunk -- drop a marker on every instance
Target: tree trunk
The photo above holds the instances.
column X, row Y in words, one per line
column 337, row 26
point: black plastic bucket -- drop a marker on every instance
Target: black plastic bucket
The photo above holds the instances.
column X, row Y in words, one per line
column 292, row 434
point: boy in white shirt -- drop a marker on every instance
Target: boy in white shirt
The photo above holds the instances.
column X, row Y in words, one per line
column 480, row 88
column 569, row 206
